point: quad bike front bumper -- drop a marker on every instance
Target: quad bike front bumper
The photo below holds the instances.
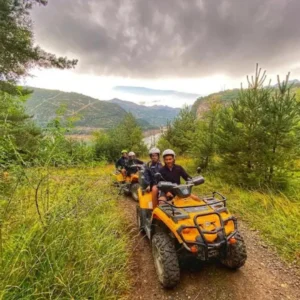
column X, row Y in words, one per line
column 203, row 249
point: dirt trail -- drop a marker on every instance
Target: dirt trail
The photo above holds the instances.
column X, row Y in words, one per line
column 264, row 275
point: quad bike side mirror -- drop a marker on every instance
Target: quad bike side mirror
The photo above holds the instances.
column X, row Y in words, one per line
column 198, row 180
column 199, row 170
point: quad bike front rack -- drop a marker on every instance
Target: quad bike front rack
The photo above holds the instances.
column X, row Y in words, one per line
column 202, row 242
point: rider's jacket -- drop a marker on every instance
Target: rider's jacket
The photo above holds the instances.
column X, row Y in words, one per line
column 151, row 169
column 121, row 163
column 173, row 175
column 130, row 163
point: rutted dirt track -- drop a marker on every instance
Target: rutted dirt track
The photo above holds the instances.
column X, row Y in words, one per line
column 264, row 275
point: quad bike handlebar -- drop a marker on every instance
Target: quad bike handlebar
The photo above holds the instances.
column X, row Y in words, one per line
column 180, row 190
column 135, row 166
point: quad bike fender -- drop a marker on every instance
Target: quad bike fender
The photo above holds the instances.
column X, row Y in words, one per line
column 145, row 199
column 134, row 177
column 119, row 177
column 159, row 215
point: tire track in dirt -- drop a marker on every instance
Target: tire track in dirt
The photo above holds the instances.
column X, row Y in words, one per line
column 265, row 276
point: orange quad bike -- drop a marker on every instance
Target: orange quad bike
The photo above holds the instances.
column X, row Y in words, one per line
column 128, row 184
column 184, row 228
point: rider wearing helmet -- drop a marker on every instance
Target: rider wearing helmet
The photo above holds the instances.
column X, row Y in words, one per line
column 122, row 161
column 152, row 167
column 132, row 160
column 171, row 172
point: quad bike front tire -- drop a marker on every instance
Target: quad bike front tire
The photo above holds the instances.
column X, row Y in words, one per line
column 139, row 219
column 236, row 253
column 165, row 260
column 134, row 191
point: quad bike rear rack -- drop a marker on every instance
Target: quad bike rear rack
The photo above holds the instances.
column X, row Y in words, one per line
column 202, row 242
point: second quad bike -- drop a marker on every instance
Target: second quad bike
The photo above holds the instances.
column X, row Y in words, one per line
column 187, row 227
column 128, row 184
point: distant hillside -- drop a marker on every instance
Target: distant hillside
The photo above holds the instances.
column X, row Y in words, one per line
column 94, row 114
column 294, row 82
column 201, row 104
column 156, row 115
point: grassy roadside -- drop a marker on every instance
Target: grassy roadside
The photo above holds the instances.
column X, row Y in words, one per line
column 62, row 237
column 275, row 215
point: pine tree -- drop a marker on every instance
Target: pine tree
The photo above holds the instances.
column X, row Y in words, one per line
column 241, row 134
column 204, row 147
column 19, row 137
column 282, row 123
column 127, row 135
column 180, row 133
column 257, row 135
column 17, row 51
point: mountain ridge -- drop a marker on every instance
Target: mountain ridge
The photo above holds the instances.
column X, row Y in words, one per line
column 156, row 115
column 94, row 114
column 201, row 105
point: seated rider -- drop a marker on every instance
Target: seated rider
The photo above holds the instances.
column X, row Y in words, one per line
column 152, row 167
column 122, row 161
column 172, row 173
column 132, row 160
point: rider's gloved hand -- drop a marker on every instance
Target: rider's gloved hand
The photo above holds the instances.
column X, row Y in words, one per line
column 148, row 189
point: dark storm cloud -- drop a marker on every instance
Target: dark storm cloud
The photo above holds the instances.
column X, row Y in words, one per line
column 159, row 38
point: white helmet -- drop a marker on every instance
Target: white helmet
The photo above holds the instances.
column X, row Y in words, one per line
column 168, row 152
column 131, row 153
column 154, row 151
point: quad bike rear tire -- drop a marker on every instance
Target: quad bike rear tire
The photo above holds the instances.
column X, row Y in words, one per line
column 236, row 253
column 165, row 260
column 134, row 191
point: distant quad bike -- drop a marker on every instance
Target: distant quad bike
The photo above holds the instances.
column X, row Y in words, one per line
column 186, row 228
column 128, row 185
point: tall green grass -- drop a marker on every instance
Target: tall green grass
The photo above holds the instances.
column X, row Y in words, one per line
column 64, row 239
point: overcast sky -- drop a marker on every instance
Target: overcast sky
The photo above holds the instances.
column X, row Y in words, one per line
column 197, row 46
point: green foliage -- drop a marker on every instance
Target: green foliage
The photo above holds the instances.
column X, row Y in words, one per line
column 17, row 50
column 187, row 135
column 282, row 123
column 58, row 149
column 257, row 134
column 180, row 133
column 62, row 237
column 205, row 147
column 127, row 135
column 19, row 137
column 23, row 143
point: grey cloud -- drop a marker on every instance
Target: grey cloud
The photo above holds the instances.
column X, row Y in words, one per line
column 171, row 38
